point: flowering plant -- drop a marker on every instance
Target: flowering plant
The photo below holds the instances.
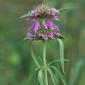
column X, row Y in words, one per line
column 44, row 29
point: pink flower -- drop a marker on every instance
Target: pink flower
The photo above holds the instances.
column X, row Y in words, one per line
column 54, row 11
column 31, row 35
column 51, row 11
column 47, row 29
column 35, row 13
column 35, row 25
column 50, row 24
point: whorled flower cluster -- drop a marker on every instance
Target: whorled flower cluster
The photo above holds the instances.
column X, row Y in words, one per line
column 43, row 26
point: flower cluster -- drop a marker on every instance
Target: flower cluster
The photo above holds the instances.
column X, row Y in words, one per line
column 43, row 26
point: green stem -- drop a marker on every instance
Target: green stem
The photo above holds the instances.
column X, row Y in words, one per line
column 44, row 60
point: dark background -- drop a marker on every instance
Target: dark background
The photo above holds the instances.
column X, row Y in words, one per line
column 16, row 62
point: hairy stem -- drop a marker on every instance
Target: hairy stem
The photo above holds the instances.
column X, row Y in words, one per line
column 44, row 60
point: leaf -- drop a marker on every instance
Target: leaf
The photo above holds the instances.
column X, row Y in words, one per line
column 31, row 75
column 60, row 75
column 26, row 38
column 61, row 46
column 26, row 15
column 52, row 76
column 64, row 9
column 56, row 61
column 34, row 58
column 29, row 78
column 40, row 60
column 41, row 77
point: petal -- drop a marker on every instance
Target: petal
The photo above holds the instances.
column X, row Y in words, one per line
column 55, row 18
column 30, row 35
column 45, row 37
column 48, row 12
column 51, row 35
column 35, row 29
column 49, row 23
column 54, row 11
column 34, row 12
column 28, row 19
column 37, row 26
column 45, row 26
column 57, row 34
column 56, row 27
column 30, row 27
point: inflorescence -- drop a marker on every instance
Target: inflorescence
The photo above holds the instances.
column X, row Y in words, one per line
column 43, row 26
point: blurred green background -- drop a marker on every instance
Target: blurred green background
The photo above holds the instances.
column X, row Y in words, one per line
column 16, row 62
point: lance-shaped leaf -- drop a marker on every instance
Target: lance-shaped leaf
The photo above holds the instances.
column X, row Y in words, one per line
column 54, row 79
column 26, row 15
column 65, row 9
column 31, row 75
column 61, row 47
column 60, row 75
column 57, row 61
column 26, row 38
column 34, row 58
column 40, row 60
column 41, row 77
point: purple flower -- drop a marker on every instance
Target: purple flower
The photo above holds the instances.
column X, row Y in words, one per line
column 54, row 11
column 30, row 35
column 43, row 36
column 35, row 25
column 46, row 11
column 51, row 25
column 43, row 26
column 51, row 35
column 34, row 12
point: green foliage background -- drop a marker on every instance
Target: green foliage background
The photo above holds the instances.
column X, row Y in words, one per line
column 16, row 62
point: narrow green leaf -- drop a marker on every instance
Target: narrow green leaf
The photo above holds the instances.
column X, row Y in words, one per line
column 60, row 75
column 26, row 15
column 40, row 60
column 64, row 9
column 61, row 46
column 31, row 75
column 41, row 77
column 56, row 61
column 57, row 78
column 34, row 58
column 52, row 76
column 29, row 78
column 26, row 38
